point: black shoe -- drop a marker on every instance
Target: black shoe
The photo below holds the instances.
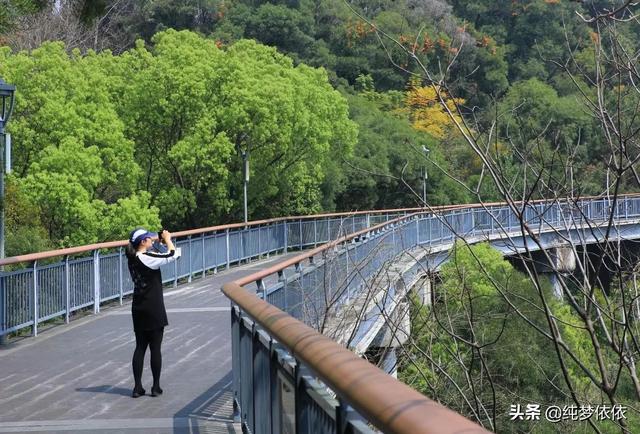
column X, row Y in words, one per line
column 137, row 393
column 156, row 391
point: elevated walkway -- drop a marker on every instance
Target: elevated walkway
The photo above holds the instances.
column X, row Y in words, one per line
column 271, row 368
column 77, row 377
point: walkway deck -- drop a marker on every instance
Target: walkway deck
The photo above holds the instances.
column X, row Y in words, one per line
column 77, row 378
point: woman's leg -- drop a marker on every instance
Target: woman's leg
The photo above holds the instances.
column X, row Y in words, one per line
column 155, row 344
column 142, row 342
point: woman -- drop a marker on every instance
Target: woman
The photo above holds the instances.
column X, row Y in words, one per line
column 147, row 309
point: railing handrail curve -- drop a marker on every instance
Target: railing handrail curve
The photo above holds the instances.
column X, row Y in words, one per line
column 387, row 403
column 281, row 265
column 121, row 243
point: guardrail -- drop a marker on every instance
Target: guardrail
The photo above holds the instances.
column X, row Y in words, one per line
column 282, row 362
column 316, row 271
column 276, row 376
column 43, row 291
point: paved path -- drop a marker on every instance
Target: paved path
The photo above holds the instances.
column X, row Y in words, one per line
column 77, row 377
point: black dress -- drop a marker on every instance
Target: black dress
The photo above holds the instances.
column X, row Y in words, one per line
column 147, row 308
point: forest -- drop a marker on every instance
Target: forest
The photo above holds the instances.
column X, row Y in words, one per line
column 132, row 98
column 134, row 113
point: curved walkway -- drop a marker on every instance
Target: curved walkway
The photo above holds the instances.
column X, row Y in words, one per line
column 77, row 378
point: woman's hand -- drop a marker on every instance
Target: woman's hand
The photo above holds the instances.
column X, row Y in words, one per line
column 165, row 235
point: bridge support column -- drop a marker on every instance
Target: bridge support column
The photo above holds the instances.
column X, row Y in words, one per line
column 3, row 323
column 564, row 262
column 423, row 290
column 393, row 334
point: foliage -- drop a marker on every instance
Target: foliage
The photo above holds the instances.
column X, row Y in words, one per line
column 155, row 135
column 428, row 114
column 386, row 168
column 460, row 344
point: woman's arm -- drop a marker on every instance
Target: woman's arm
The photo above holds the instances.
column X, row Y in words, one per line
column 155, row 260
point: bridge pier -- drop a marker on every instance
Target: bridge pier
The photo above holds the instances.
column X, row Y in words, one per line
column 564, row 263
column 395, row 332
column 594, row 262
column 423, row 290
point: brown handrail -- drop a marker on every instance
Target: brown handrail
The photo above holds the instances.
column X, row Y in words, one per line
column 387, row 403
column 310, row 253
column 121, row 243
column 113, row 244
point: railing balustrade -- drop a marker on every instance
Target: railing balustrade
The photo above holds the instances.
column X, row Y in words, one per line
column 42, row 291
column 345, row 251
column 341, row 270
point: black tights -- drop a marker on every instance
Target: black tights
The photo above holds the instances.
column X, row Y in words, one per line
column 152, row 339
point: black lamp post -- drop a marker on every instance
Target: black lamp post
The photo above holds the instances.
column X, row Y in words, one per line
column 7, row 92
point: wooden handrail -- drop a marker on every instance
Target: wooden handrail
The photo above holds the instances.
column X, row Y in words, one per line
column 387, row 403
column 113, row 244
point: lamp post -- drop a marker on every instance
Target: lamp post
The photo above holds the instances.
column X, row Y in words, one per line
column 7, row 92
column 245, row 179
column 426, row 151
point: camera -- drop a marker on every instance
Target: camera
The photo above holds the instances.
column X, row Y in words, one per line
column 158, row 244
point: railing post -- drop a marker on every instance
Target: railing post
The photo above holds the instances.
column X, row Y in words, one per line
column 298, row 391
column 204, row 259
column 235, row 361
column 242, row 252
column 190, row 260
column 626, row 208
column 344, row 413
column 301, row 243
column 228, row 253
column 286, row 235
column 96, row 281
column 315, row 232
column 67, row 290
column 3, row 313
column 262, row 290
column 175, row 272
column 120, row 276
column 283, row 278
column 473, row 222
column 368, row 220
column 259, row 243
column 491, row 218
column 34, row 301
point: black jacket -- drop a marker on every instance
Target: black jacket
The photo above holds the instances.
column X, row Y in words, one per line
column 148, row 309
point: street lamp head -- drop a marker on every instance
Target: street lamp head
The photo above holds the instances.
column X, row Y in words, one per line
column 425, row 149
column 7, row 92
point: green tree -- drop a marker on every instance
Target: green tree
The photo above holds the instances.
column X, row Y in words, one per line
column 71, row 159
column 191, row 107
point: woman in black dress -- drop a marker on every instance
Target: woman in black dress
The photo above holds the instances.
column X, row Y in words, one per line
column 147, row 309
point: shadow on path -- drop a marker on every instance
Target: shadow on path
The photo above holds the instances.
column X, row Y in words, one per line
column 105, row 389
column 212, row 409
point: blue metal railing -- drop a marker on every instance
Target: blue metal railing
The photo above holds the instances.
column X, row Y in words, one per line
column 44, row 291
column 41, row 291
column 306, row 285
column 340, row 275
